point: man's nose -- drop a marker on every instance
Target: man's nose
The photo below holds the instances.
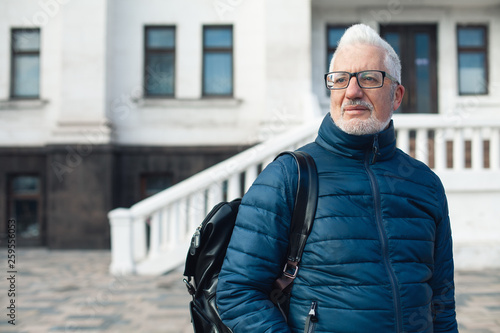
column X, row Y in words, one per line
column 354, row 91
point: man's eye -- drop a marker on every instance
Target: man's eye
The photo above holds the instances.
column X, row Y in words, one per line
column 368, row 78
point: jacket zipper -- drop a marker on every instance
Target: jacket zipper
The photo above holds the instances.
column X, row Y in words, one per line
column 312, row 318
column 382, row 234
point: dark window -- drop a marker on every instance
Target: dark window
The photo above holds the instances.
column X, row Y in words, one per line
column 159, row 67
column 416, row 46
column 218, row 61
column 25, row 69
column 333, row 35
column 152, row 183
column 472, row 60
column 24, row 198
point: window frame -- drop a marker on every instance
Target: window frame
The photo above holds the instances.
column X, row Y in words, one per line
column 14, row 53
column 332, row 49
column 164, row 50
column 471, row 49
column 229, row 50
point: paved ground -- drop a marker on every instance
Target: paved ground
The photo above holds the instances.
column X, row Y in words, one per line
column 71, row 291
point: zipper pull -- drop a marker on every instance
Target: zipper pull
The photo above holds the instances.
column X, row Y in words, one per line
column 195, row 242
column 312, row 318
column 375, row 149
column 312, row 311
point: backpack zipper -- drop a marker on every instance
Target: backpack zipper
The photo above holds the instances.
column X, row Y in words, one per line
column 312, row 318
column 195, row 239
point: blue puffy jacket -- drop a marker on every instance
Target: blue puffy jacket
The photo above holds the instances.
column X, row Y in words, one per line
column 378, row 259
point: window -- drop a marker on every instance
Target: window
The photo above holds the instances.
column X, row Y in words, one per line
column 25, row 69
column 152, row 183
column 472, row 60
column 217, row 61
column 333, row 35
column 159, row 67
column 24, row 205
column 416, row 46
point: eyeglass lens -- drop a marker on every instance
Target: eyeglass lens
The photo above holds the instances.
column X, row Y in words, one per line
column 366, row 79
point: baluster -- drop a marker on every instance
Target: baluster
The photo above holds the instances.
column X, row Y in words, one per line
column 250, row 176
column 164, row 240
column 173, row 225
column 421, row 146
column 234, row 187
column 458, row 149
column 440, row 149
column 214, row 195
column 477, row 150
column 495, row 149
column 183, row 232
column 154, row 234
column 403, row 140
column 196, row 210
column 139, row 238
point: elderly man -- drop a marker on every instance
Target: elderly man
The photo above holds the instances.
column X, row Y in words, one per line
column 379, row 256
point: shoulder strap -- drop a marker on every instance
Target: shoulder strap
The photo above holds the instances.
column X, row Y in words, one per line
column 302, row 218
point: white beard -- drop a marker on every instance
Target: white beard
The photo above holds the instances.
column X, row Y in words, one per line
column 357, row 126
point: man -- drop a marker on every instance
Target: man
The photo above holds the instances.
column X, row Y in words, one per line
column 379, row 256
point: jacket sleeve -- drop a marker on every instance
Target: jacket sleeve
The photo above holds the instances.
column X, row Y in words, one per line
column 256, row 252
column 443, row 300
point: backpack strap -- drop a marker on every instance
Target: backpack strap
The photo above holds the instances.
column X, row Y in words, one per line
column 303, row 214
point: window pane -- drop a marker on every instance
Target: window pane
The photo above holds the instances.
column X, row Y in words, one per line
column 25, row 185
column 218, row 74
column 156, row 183
column 160, row 38
column 26, row 40
column 218, row 37
column 160, row 74
column 25, row 214
column 472, row 73
column 334, row 35
column 471, row 37
column 393, row 39
column 26, row 76
column 423, row 73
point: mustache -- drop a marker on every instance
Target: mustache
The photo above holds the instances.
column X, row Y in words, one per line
column 357, row 102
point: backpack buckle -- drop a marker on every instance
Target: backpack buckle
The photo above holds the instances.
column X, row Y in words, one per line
column 290, row 270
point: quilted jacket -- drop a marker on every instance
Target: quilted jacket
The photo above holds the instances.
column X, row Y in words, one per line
column 379, row 256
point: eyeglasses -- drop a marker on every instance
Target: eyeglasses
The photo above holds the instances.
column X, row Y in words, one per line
column 366, row 79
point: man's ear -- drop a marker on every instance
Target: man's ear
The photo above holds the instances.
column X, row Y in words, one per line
column 398, row 97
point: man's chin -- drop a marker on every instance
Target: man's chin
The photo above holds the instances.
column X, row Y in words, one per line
column 356, row 126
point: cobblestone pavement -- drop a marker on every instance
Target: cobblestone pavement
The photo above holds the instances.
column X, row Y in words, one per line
column 71, row 291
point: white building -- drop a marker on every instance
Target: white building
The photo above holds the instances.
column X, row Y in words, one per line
column 104, row 102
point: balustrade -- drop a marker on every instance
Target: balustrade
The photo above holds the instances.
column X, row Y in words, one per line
column 174, row 213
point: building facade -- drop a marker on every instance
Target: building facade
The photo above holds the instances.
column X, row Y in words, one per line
column 105, row 102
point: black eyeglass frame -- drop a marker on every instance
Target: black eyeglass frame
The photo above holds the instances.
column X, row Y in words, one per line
column 355, row 74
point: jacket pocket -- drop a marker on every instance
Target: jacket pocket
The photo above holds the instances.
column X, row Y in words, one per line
column 312, row 318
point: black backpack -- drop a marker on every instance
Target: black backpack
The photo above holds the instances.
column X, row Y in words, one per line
column 210, row 240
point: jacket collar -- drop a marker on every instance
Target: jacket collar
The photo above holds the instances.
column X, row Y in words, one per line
column 380, row 146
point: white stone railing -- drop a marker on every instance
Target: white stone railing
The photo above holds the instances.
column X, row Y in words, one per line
column 465, row 154
column 174, row 213
column 446, row 143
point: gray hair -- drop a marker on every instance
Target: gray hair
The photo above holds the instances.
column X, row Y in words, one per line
column 364, row 35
